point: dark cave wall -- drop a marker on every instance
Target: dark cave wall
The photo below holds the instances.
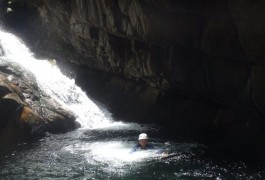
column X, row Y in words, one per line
column 192, row 65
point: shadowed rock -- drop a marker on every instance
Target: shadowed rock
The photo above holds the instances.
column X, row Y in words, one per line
column 193, row 66
column 25, row 114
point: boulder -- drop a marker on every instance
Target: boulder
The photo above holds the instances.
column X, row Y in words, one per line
column 5, row 87
column 192, row 66
column 26, row 111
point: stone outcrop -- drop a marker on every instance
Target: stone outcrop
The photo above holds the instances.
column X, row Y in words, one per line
column 26, row 113
column 196, row 66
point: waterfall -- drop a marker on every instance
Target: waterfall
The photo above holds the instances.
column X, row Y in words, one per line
column 103, row 150
column 64, row 90
column 61, row 88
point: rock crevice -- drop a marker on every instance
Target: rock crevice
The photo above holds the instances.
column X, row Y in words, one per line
column 193, row 66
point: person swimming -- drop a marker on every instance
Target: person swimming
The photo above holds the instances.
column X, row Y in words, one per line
column 143, row 144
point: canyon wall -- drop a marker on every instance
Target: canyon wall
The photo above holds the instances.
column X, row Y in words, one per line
column 195, row 66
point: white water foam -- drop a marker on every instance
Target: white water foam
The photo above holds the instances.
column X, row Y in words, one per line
column 58, row 86
column 115, row 153
column 65, row 92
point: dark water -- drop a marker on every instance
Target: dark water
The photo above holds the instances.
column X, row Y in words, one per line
column 105, row 154
column 102, row 153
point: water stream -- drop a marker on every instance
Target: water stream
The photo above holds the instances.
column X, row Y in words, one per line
column 100, row 149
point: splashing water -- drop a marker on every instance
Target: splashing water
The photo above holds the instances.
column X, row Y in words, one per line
column 65, row 92
column 101, row 149
column 58, row 86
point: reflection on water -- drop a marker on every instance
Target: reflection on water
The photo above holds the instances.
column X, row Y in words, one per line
column 105, row 154
column 101, row 149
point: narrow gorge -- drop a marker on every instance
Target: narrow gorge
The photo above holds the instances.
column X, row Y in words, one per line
column 195, row 68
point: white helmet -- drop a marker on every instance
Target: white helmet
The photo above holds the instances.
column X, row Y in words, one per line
column 143, row 136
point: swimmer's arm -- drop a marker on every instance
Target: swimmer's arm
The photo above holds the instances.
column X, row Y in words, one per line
column 164, row 155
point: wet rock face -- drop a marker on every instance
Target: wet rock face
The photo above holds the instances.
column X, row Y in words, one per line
column 26, row 112
column 195, row 48
column 197, row 65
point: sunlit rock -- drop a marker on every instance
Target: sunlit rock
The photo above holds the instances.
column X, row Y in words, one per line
column 26, row 112
column 14, row 97
column 28, row 116
column 5, row 88
column 18, row 91
column 195, row 67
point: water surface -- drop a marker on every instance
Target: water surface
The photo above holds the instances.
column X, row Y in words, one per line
column 100, row 149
